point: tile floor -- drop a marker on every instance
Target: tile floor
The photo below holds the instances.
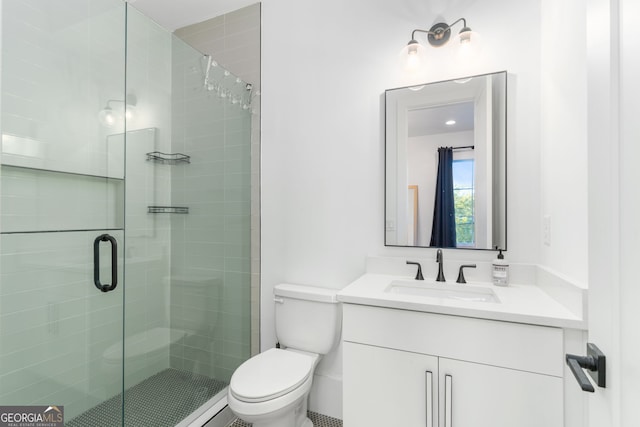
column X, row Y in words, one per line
column 318, row 420
column 161, row 400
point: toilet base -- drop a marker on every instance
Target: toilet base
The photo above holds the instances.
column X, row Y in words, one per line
column 284, row 423
column 290, row 418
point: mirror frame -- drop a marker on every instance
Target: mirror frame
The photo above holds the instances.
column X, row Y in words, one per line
column 502, row 172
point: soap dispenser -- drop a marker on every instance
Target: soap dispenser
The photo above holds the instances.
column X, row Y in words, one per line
column 500, row 270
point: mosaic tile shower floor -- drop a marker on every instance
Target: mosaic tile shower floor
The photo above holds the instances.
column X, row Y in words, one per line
column 163, row 399
column 318, row 420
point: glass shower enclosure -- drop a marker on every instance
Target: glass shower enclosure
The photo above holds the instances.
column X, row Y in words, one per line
column 125, row 199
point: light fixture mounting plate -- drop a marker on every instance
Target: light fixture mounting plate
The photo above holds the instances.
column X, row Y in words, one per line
column 439, row 34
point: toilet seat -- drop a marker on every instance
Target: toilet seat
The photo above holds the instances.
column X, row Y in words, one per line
column 270, row 375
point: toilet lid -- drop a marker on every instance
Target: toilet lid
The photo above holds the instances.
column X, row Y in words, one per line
column 270, row 374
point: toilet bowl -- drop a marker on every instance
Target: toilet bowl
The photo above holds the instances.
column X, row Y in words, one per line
column 272, row 388
column 271, row 385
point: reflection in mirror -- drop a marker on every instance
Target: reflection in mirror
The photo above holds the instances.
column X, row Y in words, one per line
column 446, row 164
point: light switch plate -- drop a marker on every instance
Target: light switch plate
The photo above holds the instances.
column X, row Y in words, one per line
column 546, row 230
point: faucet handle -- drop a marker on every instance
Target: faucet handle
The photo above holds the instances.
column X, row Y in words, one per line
column 439, row 260
column 460, row 278
column 419, row 273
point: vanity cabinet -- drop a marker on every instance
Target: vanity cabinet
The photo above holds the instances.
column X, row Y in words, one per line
column 421, row 369
column 385, row 387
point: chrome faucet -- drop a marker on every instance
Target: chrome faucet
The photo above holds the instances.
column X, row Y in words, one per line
column 440, row 277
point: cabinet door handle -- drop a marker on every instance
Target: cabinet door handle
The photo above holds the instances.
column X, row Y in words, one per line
column 429, row 397
column 448, row 401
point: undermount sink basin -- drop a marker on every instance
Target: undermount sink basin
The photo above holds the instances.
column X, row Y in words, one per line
column 443, row 290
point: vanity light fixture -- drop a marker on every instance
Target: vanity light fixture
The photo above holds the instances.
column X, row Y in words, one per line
column 108, row 117
column 413, row 54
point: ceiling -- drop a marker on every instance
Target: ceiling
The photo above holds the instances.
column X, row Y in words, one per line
column 174, row 14
column 431, row 121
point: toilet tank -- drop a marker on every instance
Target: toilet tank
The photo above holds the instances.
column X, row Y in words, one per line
column 308, row 318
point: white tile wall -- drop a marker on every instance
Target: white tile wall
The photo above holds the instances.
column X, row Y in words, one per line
column 210, row 245
column 234, row 41
column 61, row 66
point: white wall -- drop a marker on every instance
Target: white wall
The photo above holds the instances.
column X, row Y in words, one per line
column 325, row 68
column 563, row 138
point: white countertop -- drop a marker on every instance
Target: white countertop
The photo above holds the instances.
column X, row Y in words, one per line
column 518, row 303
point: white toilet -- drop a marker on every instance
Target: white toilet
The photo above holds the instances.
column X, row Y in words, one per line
column 272, row 388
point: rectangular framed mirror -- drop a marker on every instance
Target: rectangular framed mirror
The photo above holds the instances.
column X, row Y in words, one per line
column 447, row 140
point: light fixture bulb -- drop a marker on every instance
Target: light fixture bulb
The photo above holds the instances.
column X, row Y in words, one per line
column 413, row 57
column 450, row 122
column 464, row 36
column 125, row 110
column 468, row 45
column 412, row 47
column 130, row 111
column 107, row 117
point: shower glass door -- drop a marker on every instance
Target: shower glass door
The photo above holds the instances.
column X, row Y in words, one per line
column 62, row 206
column 145, row 331
column 188, row 269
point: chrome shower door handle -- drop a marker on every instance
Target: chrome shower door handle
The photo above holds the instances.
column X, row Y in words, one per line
column 114, row 263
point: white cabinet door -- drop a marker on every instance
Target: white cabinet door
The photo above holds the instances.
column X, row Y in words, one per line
column 384, row 387
column 476, row 395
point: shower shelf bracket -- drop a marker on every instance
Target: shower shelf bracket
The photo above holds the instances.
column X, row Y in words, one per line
column 168, row 209
column 168, row 158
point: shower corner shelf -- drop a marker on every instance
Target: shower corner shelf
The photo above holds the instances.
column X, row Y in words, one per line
column 168, row 209
column 168, row 158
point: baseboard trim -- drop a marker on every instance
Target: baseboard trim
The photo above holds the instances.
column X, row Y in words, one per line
column 326, row 396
